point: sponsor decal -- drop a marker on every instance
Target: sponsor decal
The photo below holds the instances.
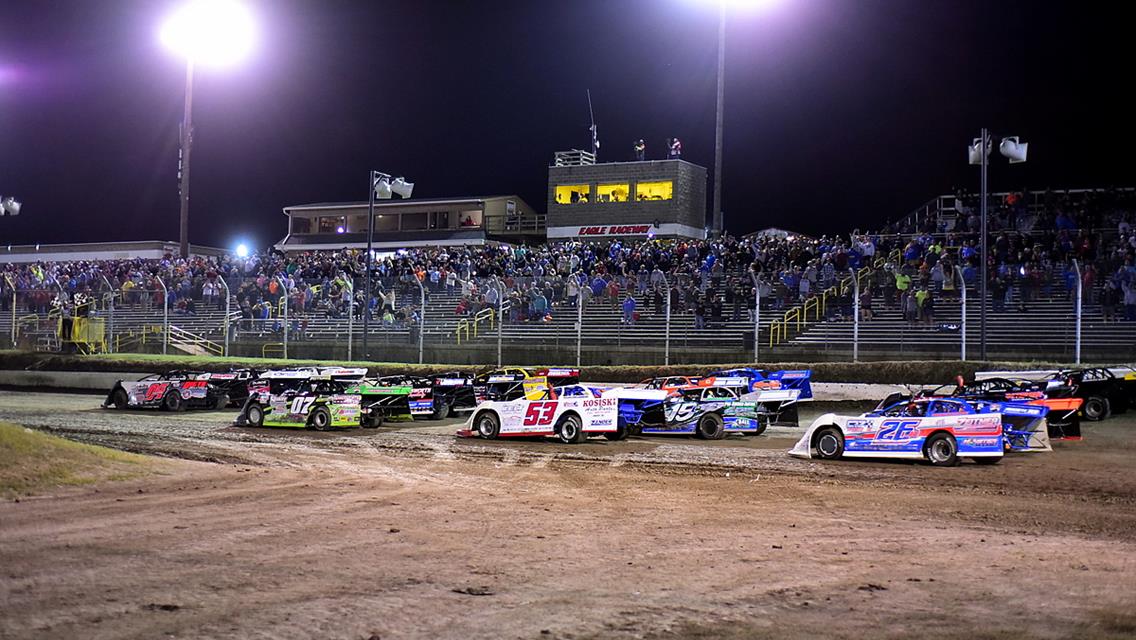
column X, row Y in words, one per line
column 598, row 403
column 606, row 422
column 615, row 230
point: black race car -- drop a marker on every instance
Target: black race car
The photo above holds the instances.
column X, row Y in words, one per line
column 1062, row 420
column 436, row 396
column 492, row 384
column 172, row 391
column 235, row 383
column 1105, row 391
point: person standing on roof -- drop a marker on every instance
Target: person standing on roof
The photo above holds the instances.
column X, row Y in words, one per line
column 675, row 150
column 640, row 150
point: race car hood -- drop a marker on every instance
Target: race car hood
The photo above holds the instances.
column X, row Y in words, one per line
column 783, row 396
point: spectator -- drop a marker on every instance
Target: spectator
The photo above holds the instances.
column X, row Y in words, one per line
column 629, row 310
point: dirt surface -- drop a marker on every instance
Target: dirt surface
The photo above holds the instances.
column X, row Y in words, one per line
column 408, row 532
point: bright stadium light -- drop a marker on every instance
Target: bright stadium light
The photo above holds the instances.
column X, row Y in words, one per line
column 242, row 250
column 213, row 33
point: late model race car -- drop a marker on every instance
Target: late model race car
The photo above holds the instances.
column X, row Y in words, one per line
column 323, row 404
column 1063, row 419
column 493, row 385
column 171, row 391
column 708, row 412
column 939, row 430
column 437, row 396
column 1105, row 390
column 571, row 412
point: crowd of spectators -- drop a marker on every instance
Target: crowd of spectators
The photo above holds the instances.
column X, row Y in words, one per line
column 709, row 281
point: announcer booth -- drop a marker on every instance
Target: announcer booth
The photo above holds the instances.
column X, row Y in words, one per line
column 401, row 224
column 654, row 198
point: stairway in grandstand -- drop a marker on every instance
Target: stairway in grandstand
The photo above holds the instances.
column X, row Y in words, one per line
column 1045, row 330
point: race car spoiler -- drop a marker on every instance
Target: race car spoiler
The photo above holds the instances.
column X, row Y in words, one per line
column 1023, row 425
column 795, row 379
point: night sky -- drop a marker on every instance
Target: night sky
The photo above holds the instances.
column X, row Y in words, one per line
column 839, row 113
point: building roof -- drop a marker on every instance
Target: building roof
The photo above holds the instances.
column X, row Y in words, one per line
column 394, row 203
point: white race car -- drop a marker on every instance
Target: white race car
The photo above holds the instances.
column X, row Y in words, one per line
column 571, row 413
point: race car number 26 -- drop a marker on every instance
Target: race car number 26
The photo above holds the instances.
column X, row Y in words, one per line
column 897, row 429
column 540, row 414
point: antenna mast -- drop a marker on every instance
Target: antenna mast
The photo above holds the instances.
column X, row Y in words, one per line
column 595, row 134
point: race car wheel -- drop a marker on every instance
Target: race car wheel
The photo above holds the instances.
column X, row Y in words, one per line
column 255, row 415
column 120, row 399
column 621, row 432
column 1096, row 408
column 941, row 450
column 988, row 460
column 320, row 419
column 172, row 401
column 711, row 427
column 487, row 425
column 762, row 425
column 440, row 412
column 221, row 402
column 373, row 421
column 570, row 430
column 829, row 443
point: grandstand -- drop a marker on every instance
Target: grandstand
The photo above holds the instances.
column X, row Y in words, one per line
column 805, row 309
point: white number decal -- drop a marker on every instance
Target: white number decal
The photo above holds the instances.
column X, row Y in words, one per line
column 301, row 405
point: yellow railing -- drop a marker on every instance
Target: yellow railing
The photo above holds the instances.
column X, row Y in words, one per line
column 472, row 326
column 272, row 349
column 818, row 304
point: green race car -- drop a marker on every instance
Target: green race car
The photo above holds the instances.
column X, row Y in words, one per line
column 327, row 404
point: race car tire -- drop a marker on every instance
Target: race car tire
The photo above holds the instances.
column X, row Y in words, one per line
column 761, row 427
column 172, row 401
column 255, row 415
column 941, row 450
column 570, row 429
column 221, row 402
column 441, row 413
column 487, row 425
column 988, row 460
column 1096, row 408
column 373, row 421
column 711, row 427
column 320, row 420
column 120, row 399
column 829, row 443
column 621, row 432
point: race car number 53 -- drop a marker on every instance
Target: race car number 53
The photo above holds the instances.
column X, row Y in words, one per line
column 540, row 414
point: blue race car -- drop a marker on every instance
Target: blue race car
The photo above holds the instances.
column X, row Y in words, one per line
column 709, row 412
column 940, row 430
column 777, row 391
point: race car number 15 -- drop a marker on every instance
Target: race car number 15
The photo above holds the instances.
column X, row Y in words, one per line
column 540, row 414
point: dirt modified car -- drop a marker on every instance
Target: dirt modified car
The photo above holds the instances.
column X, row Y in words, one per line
column 437, row 396
column 321, row 405
column 235, row 383
column 571, row 412
column 171, row 391
column 708, row 412
column 1105, row 390
column 778, row 392
column 939, row 430
column 493, row 385
column 1063, row 419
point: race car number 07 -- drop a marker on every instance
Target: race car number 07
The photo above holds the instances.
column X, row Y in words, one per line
column 540, row 414
column 301, row 405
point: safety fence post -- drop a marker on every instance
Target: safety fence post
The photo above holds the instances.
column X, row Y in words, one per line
column 1077, row 348
column 962, row 325
column 165, row 315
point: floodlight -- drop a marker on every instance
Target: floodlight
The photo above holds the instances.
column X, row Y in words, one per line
column 242, row 250
column 383, row 189
column 210, row 32
column 974, row 151
column 1014, row 150
column 402, row 187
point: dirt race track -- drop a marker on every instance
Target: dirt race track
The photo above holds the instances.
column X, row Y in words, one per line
column 408, row 532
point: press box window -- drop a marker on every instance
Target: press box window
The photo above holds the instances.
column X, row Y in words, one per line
column 573, row 193
column 612, row 192
column 654, row 190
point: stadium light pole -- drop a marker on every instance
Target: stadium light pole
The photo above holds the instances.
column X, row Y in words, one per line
column 978, row 153
column 380, row 187
column 723, row 5
column 210, row 33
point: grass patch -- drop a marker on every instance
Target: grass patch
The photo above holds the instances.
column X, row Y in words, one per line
column 33, row 462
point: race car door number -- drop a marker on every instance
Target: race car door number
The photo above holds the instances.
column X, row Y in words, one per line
column 540, row 414
column 301, row 405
